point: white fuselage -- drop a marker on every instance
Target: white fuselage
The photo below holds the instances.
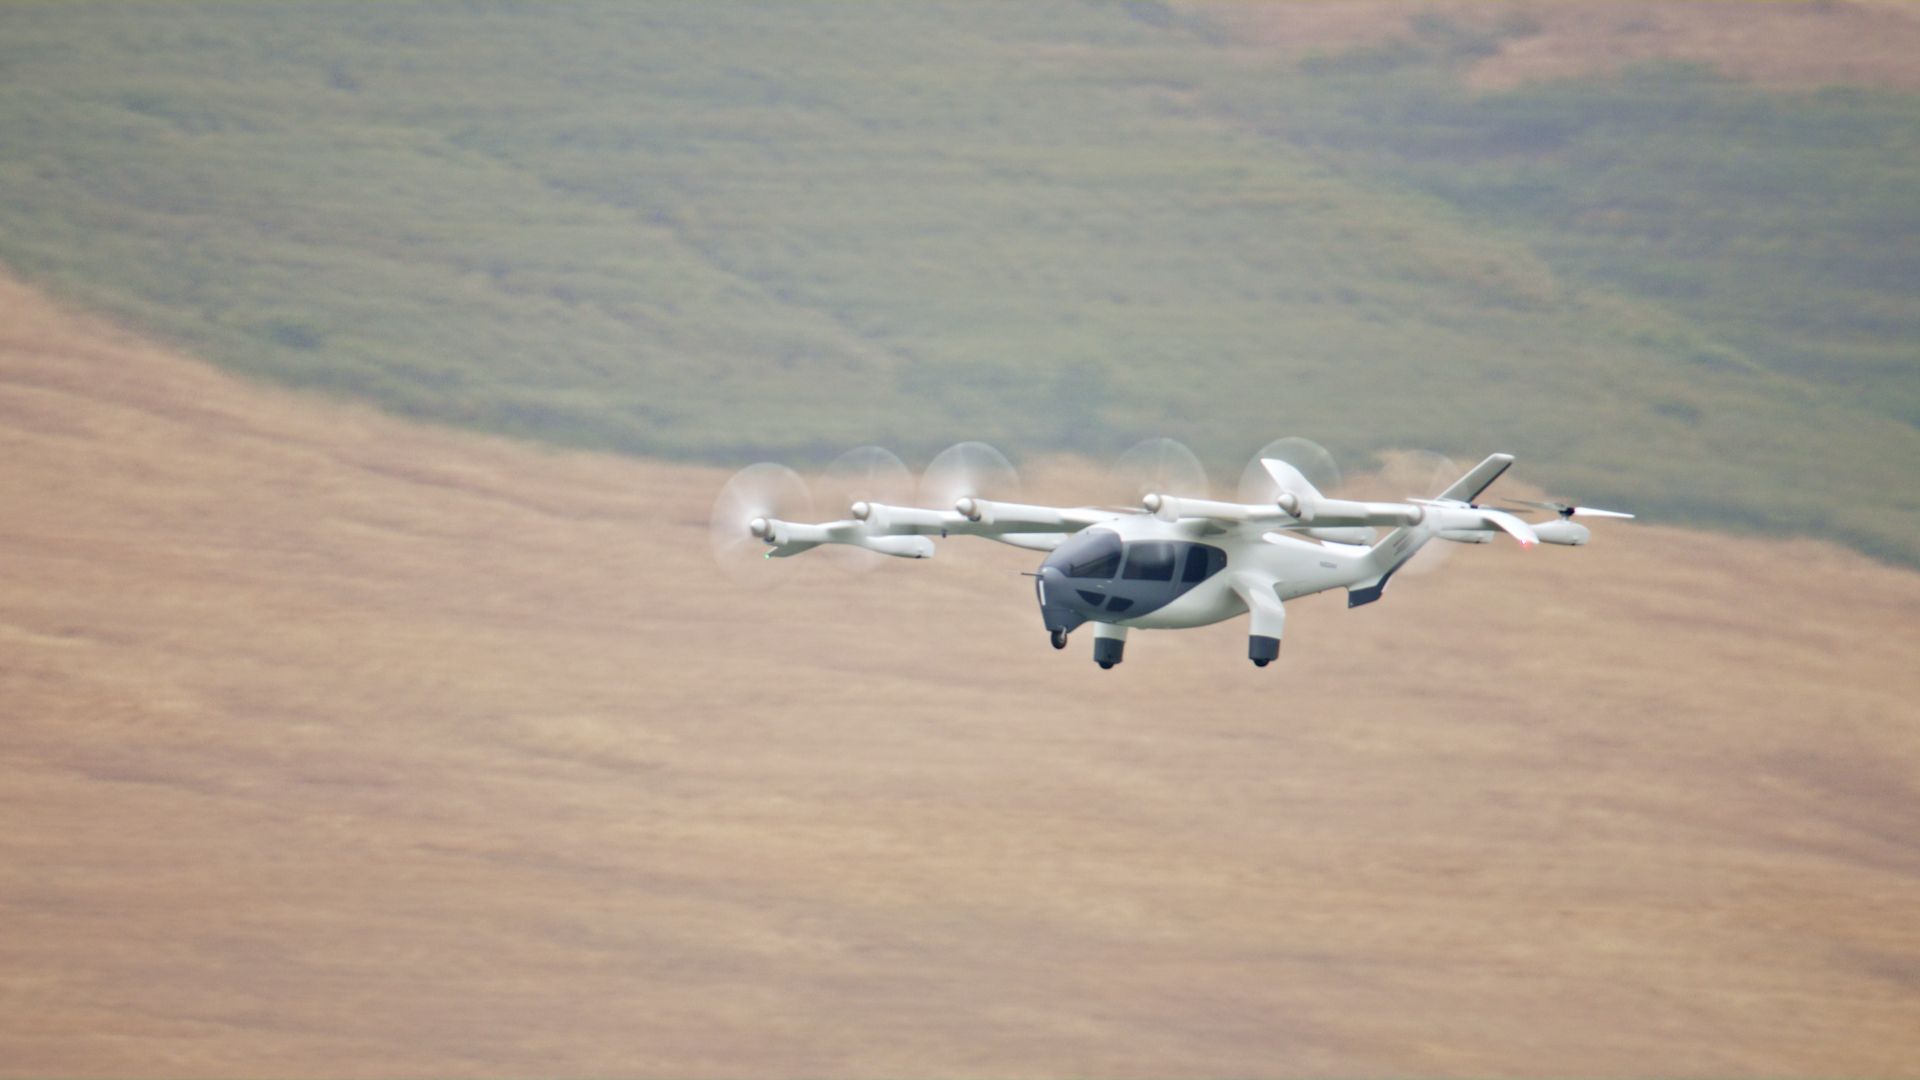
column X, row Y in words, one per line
column 1293, row 565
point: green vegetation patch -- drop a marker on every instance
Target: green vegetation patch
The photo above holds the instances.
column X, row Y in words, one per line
column 734, row 231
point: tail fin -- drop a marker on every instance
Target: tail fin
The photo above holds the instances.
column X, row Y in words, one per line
column 1394, row 549
column 1468, row 488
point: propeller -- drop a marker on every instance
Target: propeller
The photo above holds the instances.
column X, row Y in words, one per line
column 1312, row 460
column 1166, row 466
column 968, row 469
column 871, row 474
column 1567, row 510
column 1294, row 474
column 757, row 493
column 1415, row 474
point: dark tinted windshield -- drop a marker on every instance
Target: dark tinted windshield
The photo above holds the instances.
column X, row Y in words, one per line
column 1093, row 554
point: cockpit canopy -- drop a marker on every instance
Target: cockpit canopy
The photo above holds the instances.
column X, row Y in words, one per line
column 1098, row 555
column 1103, row 578
column 1093, row 555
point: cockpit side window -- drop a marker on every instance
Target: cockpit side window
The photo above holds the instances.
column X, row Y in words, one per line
column 1202, row 563
column 1150, row 560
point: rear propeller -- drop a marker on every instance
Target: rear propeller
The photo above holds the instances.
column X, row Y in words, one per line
column 1296, row 474
column 1567, row 510
column 1314, row 462
column 1414, row 474
column 754, row 496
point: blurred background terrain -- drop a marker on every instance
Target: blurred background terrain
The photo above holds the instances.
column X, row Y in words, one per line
column 338, row 744
column 1565, row 230
column 341, row 743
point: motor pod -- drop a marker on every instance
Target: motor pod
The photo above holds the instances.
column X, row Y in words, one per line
column 1564, row 532
column 900, row 547
column 1172, row 508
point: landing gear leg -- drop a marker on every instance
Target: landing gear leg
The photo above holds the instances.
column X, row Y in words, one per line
column 1059, row 639
column 1109, row 643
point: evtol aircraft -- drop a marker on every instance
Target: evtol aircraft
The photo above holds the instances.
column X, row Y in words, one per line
column 1173, row 562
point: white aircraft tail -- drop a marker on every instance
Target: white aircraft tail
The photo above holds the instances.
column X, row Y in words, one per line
column 1402, row 544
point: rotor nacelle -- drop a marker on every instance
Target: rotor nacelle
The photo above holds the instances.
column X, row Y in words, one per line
column 1563, row 532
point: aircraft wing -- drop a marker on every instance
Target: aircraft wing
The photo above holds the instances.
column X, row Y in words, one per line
column 1321, row 513
column 906, row 531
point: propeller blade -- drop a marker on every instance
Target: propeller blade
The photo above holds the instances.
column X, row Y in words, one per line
column 968, row 469
column 1308, row 458
column 870, row 474
column 1163, row 466
column 1569, row 510
column 1297, row 495
column 765, row 492
column 1414, row 475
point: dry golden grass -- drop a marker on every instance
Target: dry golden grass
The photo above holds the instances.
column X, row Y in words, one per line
column 1788, row 43
column 335, row 746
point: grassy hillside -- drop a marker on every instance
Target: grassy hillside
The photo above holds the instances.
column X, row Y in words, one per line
column 343, row 746
column 780, row 230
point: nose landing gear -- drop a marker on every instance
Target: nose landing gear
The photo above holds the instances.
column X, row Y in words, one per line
column 1059, row 639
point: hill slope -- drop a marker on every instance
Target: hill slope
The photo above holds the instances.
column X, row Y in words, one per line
column 1798, row 44
column 683, row 231
column 340, row 746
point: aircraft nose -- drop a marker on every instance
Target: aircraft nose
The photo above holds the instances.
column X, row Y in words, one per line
column 1055, row 562
column 1050, row 587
